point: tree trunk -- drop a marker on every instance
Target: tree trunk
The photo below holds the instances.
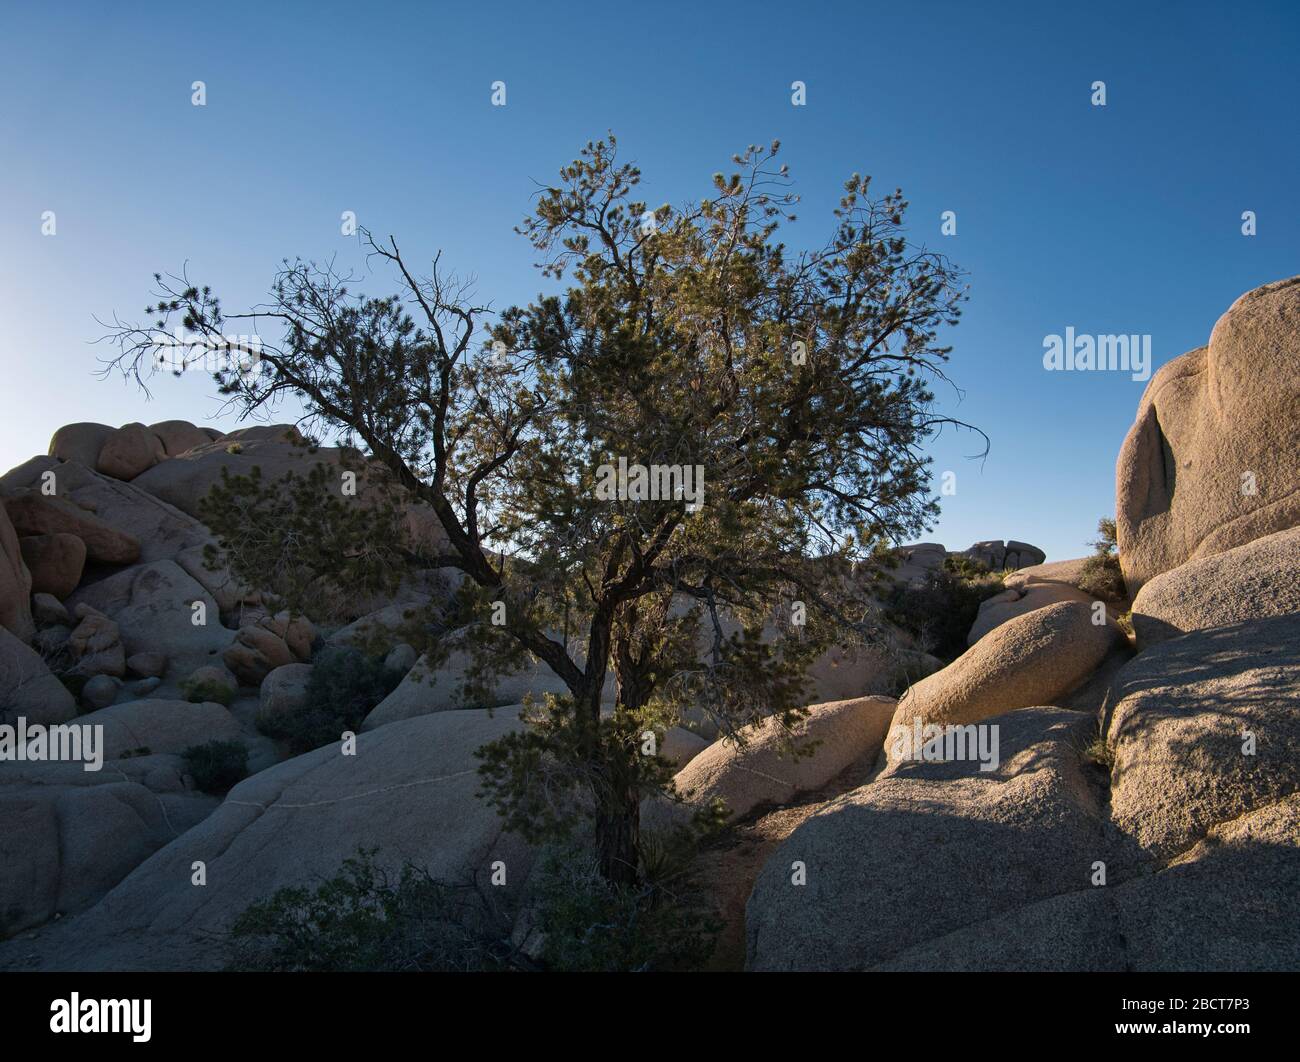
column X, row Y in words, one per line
column 618, row 826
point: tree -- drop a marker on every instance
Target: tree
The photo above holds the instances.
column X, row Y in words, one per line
column 769, row 408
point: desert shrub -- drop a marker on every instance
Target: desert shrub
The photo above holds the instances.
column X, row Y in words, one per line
column 216, row 766
column 664, row 922
column 1101, row 576
column 370, row 918
column 939, row 612
column 196, row 691
column 345, row 685
column 964, row 568
column 367, row 918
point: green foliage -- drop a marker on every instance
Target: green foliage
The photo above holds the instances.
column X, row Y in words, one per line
column 367, row 918
column 1106, row 541
column 344, row 686
column 542, row 780
column 197, row 691
column 1099, row 753
column 371, row 918
column 216, row 766
column 663, row 922
column 1102, row 576
column 971, row 571
column 939, row 613
column 309, row 548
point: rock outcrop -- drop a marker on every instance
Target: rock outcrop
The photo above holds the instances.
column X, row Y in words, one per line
column 1209, row 463
column 28, row 689
column 930, row 848
column 33, row 513
column 55, row 562
column 1029, row 660
column 1205, row 729
column 410, row 791
column 763, row 771
column 1254, row 581
column 1017, row 601
column 15, row 583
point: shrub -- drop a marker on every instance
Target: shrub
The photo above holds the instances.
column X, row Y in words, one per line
column 345, row 685
column 1101, row 576
column 368, row 919
column 216, row 765
column 590, row 924
column 940, row 612
column 196, row 691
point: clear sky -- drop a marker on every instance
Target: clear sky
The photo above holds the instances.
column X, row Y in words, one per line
column 1117, row 219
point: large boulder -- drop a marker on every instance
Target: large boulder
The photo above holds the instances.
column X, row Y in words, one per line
column 918, row 562
column 998, row 555
column 160, row 531
column 283, row 693
column 1205, row 728
column 1230, row 903
column 255, row 653
column 80, row 442
column 130, row 450
column 33, row 513
column 179, row 436
column 99, row 692
column 931, row 847
column 28, row 688
column 153, row 606
column 1261, row 578
column 1068, row 572
column 15, row 583
column 763, row 771
column 1032, row 659
column 427, row 689
column 55, row 561
column 411, row 791
column 62, row 846
column 1209, row 463
column 1014, row 601
column 96, row 644
column 679, row 746
column 161, row 726
column 381, row 630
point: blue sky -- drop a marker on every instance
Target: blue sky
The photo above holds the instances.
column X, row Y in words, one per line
column 1117, row 219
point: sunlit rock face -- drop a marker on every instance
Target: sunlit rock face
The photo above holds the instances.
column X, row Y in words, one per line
column 1213, row 458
